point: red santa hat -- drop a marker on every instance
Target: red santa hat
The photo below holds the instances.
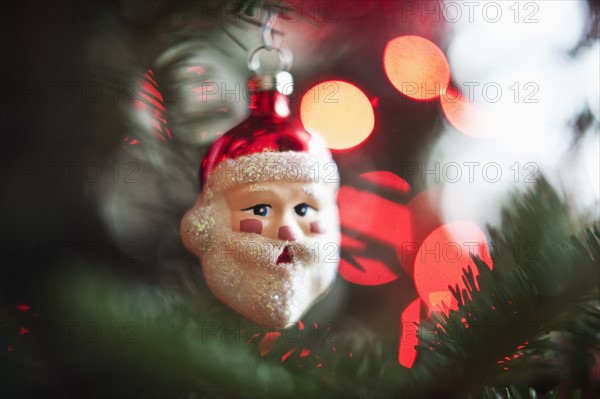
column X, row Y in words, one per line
column 267, row 147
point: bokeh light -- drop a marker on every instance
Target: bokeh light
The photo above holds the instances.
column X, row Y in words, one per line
column 463, row 114
column 387, row 180
column 424, row 209
column 441, row 259
column 409, row 319
column 149, row 109
column 416, row 67
column 374, row 217
column 369, row 271
column 338, row 111
column 371, row 221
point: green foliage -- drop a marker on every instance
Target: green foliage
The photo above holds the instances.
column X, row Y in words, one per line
column 526, row 328
column 531, row 324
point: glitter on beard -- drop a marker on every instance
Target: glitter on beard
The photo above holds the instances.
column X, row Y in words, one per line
column 242, row 271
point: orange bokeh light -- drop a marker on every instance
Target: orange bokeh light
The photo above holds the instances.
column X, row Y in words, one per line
column 441, row 259
column 339, row 111
column 416, row 67
column 464, row 115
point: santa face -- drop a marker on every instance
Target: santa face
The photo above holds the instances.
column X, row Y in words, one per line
column 272, row 248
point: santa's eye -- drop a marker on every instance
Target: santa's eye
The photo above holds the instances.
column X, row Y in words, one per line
column 302, row 209
column 259, row 210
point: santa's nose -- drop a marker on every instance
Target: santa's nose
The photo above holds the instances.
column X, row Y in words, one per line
column 287, row 233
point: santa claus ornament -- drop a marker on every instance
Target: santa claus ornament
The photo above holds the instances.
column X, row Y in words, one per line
column 265, row 225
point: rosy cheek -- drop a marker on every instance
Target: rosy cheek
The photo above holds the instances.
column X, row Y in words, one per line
column 251, row 226
column 317, row 228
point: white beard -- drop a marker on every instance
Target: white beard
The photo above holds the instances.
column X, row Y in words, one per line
column 242, row 271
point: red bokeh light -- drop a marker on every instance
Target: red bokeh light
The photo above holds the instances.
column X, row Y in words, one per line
column 268, row 342
column 375, row 272
column 148, row 103
column 385, row 179
column 375, row 217
column 23, row 307
column 371, row 223
column 424, row 211
column 408, row 333
column 288, row 354
column 352, row 243
column 305, row 352
column 441, row 259
column 416, row 67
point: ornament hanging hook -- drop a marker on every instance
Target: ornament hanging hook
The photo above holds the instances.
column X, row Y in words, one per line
column 268, row 43
column 267, row 38
column 285, row 59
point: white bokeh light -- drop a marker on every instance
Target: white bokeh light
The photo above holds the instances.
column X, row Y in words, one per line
column 528, row 82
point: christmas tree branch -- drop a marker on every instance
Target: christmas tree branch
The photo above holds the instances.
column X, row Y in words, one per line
column 513, row 320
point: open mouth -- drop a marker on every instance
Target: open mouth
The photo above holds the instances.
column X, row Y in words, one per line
column 286, row 256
